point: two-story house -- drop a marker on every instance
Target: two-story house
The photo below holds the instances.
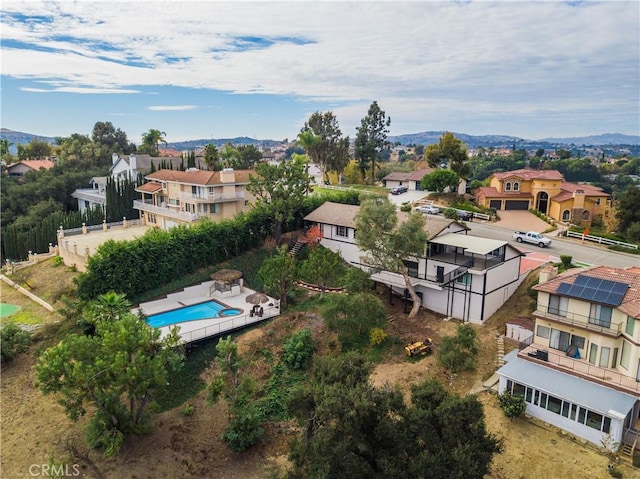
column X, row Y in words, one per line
column 460, row 276
column 582, row 371
column 122, row 167
column 545, row 191
column 174, row 197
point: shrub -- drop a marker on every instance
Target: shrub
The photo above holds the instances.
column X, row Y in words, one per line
column 188, row 410
column 512, row 405
column 458, row 353
column 244, row 430
column 377, row 336
column 298, row 349
column 13, row 340
column 566, row 260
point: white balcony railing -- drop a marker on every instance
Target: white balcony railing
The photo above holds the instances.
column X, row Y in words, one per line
column 165, row 211
column 212, row 197
column 567, row 317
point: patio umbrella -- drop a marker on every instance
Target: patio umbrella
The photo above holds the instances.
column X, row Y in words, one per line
column 226, row 275
column 257, row 298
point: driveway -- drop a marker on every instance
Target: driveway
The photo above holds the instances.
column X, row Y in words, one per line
column 521, row 220
column 409, row 196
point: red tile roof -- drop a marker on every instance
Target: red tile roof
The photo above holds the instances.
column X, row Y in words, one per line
column 150, row 187
column 527, row 174
column 198, row 177
column 34, row 164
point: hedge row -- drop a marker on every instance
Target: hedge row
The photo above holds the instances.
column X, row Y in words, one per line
column 137, row 266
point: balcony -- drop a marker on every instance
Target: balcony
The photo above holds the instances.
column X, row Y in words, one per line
column 468, row 261
column 580, row 321
column 167, row 212
column 211, row 197
column 582, row 368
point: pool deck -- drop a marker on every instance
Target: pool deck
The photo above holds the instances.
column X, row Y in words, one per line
column 204, row 328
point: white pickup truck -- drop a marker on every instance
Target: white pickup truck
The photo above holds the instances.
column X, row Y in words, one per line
column 531, row 237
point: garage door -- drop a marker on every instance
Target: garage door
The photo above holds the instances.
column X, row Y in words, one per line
column 495, row 204
column 516, row 205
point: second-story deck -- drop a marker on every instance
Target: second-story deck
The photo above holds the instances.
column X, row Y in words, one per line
column 582, row 368
column 608, row 328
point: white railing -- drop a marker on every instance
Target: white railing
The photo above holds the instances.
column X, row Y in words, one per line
column 228, row 196
column 165, row 211
column 600, row 240
column 236, row 322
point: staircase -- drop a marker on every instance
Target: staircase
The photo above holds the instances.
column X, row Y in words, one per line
column 295, row 249
column 628, row 449
column 500, row 361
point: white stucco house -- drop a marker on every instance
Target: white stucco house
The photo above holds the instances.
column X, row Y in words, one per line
column 460, row 276
column 121, row 167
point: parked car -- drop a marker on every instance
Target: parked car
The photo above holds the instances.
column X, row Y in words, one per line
column 428, row 209
column 465, row 215
column 398, row 190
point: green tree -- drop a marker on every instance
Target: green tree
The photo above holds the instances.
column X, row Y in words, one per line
column 111, row 140
column 248, row 156
column 371, row 138
column 386, row 244
column 322, row 267
column 4, row 151
column 278, row 273
column 115, row 371
column 458, row 353
column 211, row 156
column 351, row 429
column 229, row 156
column 627, row 210
column 35, row 150
column 439, row 180
column 237, row 388
column 151, row 141
column 353, row 317
column 279, row 191
column 80, row 152
column 329, row 150
column 451, row 151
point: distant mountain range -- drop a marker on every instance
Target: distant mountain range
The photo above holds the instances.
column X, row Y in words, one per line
column 423, row 138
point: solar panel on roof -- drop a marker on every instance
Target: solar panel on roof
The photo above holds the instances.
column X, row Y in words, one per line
column 587, row 288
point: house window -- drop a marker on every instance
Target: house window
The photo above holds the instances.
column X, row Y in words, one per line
column 543, row 332
column 507, row 187
column 593, row 353
column 600, row 315
column 566, row 215
column 626, row 355
column 412, row 268
column 518, row 390
column 629, row 326
column 577, row 341
column 554, row 404
column 341, row 231
column 604, row 357
column 598, row 201
column 464, row 279
column 559, row 340
column 558, row 305
column 214, row 208
column 594, row 420
column 585, row 215
column 516, row 186
column 614, row 358
column 174, row 202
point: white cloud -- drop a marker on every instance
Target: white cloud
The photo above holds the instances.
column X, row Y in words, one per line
column 172, row 108
column 425, row 62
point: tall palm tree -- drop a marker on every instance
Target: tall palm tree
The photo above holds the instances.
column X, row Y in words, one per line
column 152, row 139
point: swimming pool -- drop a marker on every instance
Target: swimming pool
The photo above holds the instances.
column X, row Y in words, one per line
column 206, row 310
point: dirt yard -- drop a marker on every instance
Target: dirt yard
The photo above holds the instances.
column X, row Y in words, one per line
column 35, row 430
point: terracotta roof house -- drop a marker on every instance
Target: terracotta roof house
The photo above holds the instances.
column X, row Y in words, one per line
column 174, row 197
column 581, row 371
column 545, row 191
column 20, row 168
column 460, row 276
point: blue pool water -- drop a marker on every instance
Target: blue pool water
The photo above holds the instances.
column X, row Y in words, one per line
column 206, row 310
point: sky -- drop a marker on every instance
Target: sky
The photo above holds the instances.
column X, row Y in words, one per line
column 220, row 69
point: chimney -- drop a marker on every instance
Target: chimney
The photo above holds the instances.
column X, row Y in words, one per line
column 114, row 158
column 132, row 164
column 227, row 175
column 547, row 273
